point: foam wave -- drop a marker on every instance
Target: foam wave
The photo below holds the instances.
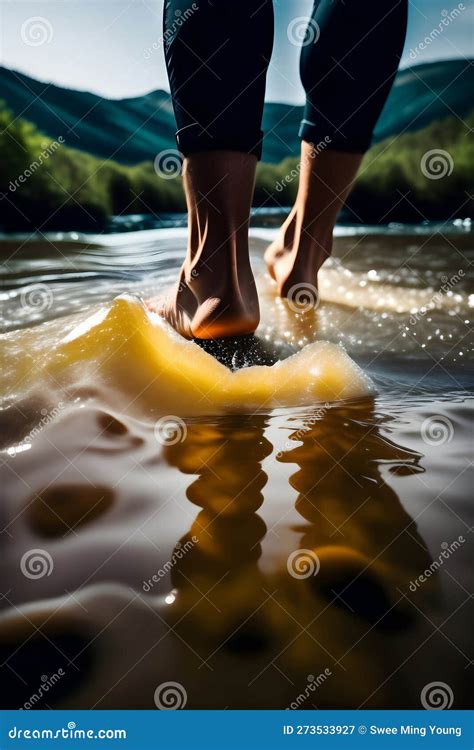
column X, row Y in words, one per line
column 132, row 355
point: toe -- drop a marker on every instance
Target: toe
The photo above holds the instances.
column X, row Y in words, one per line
column 155, row 304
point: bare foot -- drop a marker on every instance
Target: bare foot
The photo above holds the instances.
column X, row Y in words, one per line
column 200, row 308
column 295, row 257
column 178, row 308
column 305, row 239
column 215, row 295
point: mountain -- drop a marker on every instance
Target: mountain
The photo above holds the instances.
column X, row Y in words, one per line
column 134, row 130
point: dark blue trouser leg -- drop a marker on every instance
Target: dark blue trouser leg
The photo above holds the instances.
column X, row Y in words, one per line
column 217, row 55
column 348, row 62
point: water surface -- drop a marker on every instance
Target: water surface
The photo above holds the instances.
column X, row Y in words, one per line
column 258, row 544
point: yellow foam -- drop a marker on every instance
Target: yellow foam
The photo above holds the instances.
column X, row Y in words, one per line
column 123, row 348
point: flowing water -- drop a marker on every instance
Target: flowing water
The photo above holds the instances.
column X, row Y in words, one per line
column 278, row 521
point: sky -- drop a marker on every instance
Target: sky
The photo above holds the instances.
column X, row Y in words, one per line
column 109, row 47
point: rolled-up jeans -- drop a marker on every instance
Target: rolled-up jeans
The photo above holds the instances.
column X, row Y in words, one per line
column 218, row 53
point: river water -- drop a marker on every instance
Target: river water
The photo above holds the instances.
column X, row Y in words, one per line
column 278, row 521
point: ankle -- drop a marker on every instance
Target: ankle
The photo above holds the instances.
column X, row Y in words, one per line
column 307, row 235
column 216, row 255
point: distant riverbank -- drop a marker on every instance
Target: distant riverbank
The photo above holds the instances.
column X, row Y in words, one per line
column 45, row 185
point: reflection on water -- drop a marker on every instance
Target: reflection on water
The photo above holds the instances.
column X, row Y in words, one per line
column 308, row 556
column 227, row 607
column 227, row 534
column 345, row 496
